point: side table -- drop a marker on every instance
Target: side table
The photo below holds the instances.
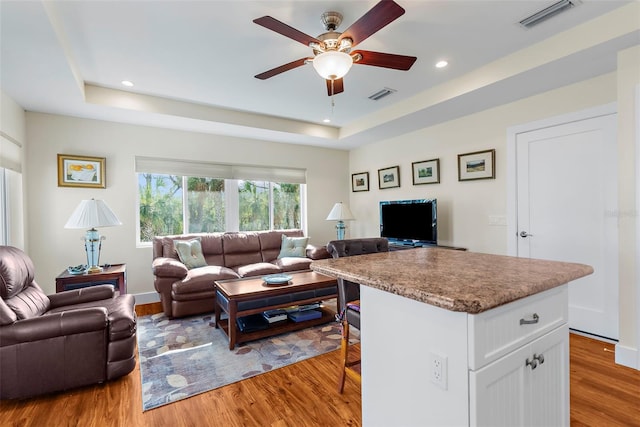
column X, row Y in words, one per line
column 114, row 275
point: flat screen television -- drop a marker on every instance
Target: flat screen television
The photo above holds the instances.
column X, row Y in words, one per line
column 409, row 222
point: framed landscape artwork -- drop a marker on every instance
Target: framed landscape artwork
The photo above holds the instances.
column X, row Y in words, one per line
column 81, row 171
column 360, row 182
column 426, row 172
column 477, row 165
column 389, row 177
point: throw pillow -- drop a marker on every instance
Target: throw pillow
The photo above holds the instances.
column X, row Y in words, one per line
column 190, row 253
column 293, row 247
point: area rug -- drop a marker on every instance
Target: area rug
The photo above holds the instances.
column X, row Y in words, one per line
column 180, row 358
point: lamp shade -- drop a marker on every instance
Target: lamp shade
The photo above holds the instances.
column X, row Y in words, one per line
column 340, row 212
column 92, row 213
column 333, row 64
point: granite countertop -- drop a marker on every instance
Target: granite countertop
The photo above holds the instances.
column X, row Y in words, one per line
column 453, row 280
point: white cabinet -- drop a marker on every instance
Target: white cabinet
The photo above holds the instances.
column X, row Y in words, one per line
column 527, row 387
column 488, row 380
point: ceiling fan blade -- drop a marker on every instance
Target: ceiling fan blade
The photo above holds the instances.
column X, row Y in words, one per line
column 336, row 88
column 378, row 17
column 287, row 31
column 386, row 60
column 282, row 69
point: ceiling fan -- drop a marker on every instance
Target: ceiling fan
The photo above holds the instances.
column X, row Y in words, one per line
column 333, row 56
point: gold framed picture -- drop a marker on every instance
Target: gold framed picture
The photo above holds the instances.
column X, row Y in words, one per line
column 81, row 171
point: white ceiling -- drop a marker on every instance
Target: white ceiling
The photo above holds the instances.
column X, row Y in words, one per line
column 195, row 60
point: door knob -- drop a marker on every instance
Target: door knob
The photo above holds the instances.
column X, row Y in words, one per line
column 525, row 234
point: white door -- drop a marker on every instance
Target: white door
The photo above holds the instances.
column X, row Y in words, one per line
column 566, row 203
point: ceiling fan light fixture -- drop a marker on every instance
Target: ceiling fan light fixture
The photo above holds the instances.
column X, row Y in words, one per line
column 332, row 65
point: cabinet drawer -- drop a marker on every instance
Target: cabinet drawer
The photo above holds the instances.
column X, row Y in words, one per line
column 496, row 332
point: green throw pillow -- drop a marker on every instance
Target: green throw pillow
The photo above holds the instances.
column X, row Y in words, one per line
column 293, row 247
column 190, row 253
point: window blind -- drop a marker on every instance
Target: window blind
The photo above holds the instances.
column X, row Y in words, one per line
column 10, row 153
column 217, row 170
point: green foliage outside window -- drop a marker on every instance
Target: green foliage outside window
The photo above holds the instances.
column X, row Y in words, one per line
column 161, row 202
column 160, row 205
column 205, row 198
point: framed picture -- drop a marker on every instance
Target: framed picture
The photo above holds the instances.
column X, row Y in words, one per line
column 426, row 172
column 81, row 171
column 389, row 177
column 360, row 181
column 477, row 165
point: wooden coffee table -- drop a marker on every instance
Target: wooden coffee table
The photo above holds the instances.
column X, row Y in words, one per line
column 254, row 289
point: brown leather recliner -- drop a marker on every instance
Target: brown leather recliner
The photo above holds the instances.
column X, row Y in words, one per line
column 61, row 341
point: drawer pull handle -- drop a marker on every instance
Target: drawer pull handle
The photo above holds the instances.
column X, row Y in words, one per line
column 533, row 363
column 535, row 319
column 539, row 357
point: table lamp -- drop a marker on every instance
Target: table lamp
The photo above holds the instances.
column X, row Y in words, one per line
column 340, row 213
column 91, row 214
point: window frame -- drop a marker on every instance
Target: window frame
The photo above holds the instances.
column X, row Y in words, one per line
column 232, row 204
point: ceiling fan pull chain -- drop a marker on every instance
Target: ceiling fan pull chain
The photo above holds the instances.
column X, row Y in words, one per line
column 333, row 104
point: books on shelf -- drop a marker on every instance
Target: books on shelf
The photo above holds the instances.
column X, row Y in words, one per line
column 296, row 308
column 297, row 313
column 301, row 316
column 276, row 315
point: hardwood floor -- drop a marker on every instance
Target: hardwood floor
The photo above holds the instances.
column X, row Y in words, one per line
column 602, row 393
column 304, row 394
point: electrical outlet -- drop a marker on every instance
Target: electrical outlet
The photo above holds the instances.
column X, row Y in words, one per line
column 438, row 367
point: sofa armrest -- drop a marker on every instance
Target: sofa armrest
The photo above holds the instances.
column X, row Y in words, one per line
column 54, row 325
column 79, row 296
column 317, row 252
column 169, row 267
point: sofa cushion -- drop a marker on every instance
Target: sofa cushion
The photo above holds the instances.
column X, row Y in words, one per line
column 293, row 247
column 190, row 252
column 241, row 249
column 293, row 263
column 257, row 269
column 211, row 246
column 202, row 280
column 271, row 242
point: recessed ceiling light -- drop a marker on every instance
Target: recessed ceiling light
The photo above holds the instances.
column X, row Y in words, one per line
column 327, row 120
column 127, row 83
column 441, row 64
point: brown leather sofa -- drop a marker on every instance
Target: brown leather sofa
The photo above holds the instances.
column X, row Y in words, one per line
column 61, row 341
column 230, row 255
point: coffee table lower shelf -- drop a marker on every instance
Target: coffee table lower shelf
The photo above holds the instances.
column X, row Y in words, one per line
column 276, row 328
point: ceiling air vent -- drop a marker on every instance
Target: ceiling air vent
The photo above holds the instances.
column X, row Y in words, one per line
column 548, row 12
column 381, row 94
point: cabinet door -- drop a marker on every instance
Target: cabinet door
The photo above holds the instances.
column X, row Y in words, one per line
column 497, row 395
column 510, row 392
column 548, row 383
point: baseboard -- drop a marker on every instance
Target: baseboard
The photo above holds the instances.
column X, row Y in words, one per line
column 627, row 356
column 147, row 298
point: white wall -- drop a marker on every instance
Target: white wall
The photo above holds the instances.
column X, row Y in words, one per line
column 464, row 208
column 53, row 247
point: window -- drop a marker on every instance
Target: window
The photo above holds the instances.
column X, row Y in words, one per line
column 215, row 204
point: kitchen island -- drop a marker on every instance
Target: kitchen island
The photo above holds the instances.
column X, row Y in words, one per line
column 461, row 338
